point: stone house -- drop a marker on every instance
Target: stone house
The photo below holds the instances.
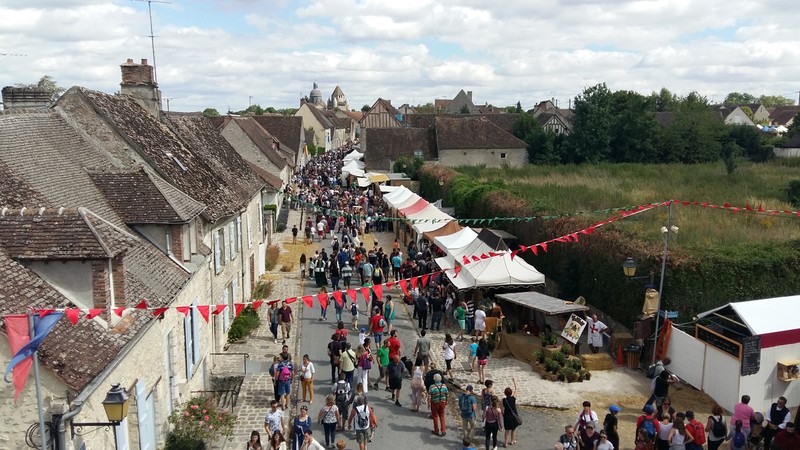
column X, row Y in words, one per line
column 760, row 113
column 289, row 131
column 125, row 203
column 552, row 118
column 783, row 115
column 328, row 132
column 732, row 115
column 475, row 140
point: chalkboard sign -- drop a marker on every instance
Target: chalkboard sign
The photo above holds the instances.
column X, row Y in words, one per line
column 751, row 355
column 719, row 341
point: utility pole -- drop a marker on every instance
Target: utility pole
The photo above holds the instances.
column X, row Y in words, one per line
column 151, row 35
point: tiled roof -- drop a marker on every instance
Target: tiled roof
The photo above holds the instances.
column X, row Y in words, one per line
column 461, row 101
column 503, row 120
column 59, row 234
column 355, row 115
column 142, row 197
column 288, row 129
column 420, row 120
column 469, row 131
column 16, row 193
column 441, row 104
column 209, row 171
column 336, row 121
column 781, row 115
column 270, row 179
column 388, row 144
column 261, row 139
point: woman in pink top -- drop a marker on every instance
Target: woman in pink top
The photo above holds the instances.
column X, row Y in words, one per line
column 742, row 411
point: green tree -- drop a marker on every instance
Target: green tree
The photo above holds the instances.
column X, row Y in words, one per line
column 210, row 112
column 794, row 128
column 634, row 129
column 663, row 100
column 771, row 101
column 408, row 165
column 287, row 111
column 739, row 98
column 427, row 108
column 464, row 109
column 590, row 140
column 518, row 108
column 751, row 142
column 47, row 84
column 695, row 135
column 365, row 108
column 730, row 154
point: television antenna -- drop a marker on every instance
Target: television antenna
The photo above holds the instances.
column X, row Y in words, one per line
column 151, row 35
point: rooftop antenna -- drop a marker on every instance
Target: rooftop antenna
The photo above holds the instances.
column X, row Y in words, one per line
column 11, row 54
column 167, row 100
column 151, row 35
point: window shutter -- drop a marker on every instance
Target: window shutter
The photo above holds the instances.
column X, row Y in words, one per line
column 232, row 238
column 195, row 333
column 249, row 232
column 239, row 234
column 188, row 345
column 217, row 255
column 226, row 318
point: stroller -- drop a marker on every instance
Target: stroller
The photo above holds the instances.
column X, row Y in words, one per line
column 755, row 440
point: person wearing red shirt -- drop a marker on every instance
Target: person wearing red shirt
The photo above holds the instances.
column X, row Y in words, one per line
column 394, row 345
column 787, row 439
column 375, row 327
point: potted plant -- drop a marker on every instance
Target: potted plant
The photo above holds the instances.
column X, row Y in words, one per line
column 567, row 349
column 585, row 374
column 575, row 364
column 538, row 356
column 560, row 358
column 551, row 365
column 549, row 340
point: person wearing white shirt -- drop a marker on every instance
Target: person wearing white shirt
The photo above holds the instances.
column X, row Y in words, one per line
column 480, row 322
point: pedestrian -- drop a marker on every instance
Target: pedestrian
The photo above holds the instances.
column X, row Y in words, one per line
column 323, row 304
column 643, row 440
column 787, row 438
column 493, row 422
column 604, row 443
column 302, row 266
column 423, row 349
column 360, row 413
column 588, row 438
column 388, row 312
column 649, row 422
column 473, row 352
column 273, row 314
column 422, row 311
column 664, row 427
column 744, row 412
column 461, row 317
column 301, row 424
column 568, row 440
column 364, row 364
column 309, row 443
column 661, row 387
column 666, row 407
column 333, row 271
column 437, row 309
column 285, row 321
column 320, row 267
column 273, row 421
column 480, row 322
column 394, row 345
column 437, row 402
column 716, row 427
column 277, row 441
column 307, row 378
column 294, row 234
column 738, row 437
column 679, row 436
column 329, row 417
column 482, row 354
column 383, row 361
column 347, row 274
column 354, row 314
column 255, row 440
column 585, row 417
column 273, row 369
column 283, row 378
column 417, row 385
column 343, row 397
column 778, row 416
column 594, row 335
column 377, row 324
column 307, row 232
column 335, row 355
column 449, row 350
column 467, row 405
column 511, row 418
column 697, row 430
column 395, row 370
column 610, row 424
column 348, row 362
column 469, row 305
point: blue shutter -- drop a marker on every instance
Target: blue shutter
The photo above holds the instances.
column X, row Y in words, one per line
column 146, row 414
column 232, row 238
column 217, row 255
column 239, row 239
column 188, row 344
column 226, row 320
column 195, row 332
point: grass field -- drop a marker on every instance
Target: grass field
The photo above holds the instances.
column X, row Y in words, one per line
column 571, row 189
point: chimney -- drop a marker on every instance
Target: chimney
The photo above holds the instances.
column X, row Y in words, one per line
column 138, row 82
column 25, row 97
column 469, row 95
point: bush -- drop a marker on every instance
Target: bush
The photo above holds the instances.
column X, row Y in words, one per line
column 566, row 349
column 538, row 355
column 263, row 290
column 200, row 421
column 560, row 358
column 575, row 364
column 273, row 208
column 180, row 442
column 793, row 192
column 272, row 256
column 551, row 365
column 243, row 324
column 566, row 373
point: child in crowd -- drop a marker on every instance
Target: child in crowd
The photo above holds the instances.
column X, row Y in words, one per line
column 473, row 351
column 362, row 335
column 354, row 313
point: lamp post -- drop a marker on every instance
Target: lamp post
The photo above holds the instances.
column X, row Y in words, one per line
column 116, row 407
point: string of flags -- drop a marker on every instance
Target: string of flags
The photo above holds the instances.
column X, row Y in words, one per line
column 758, row 210
column 366, row 291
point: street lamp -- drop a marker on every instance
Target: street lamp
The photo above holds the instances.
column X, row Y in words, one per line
column 116, row 407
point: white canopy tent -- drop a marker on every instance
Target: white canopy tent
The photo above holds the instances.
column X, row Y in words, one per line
column 363, row 182
column 496, row 271
column 397, row 196
column 355, row 155
column 354, row 168
column 457, row 240
column 386, row 189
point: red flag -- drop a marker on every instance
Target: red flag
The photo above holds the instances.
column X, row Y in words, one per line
column 257, row 304
column 322, row 297
column 44, row 312
column 378, row 289
column 337, row 295
column 352, row 294
column 308, row 300
column 456, row 269
column 513, row 254
column 159, row 311
column 219, row 308
column 493, row 254
column 291, row 300
column 19, row 334
column 365, row 293
column 484, row 256
column 73, row 314
column 464, row 259
column 204, row 310
column 535, row 249
column 414, row 282
column 389, row 284
column 118, row 311
column 270, row 303
column 523, row 248
column 403, row 285
column 425, row 279
column 544, row 246
column 183, row 310
column 238, row 307
column 475, row 258
column 94, row 312
column 142, row 305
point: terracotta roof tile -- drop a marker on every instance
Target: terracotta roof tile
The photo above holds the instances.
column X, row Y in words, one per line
column 468, row 131
column 270, row 179
column 388, row 144
column 288, row 129
column 261, row 139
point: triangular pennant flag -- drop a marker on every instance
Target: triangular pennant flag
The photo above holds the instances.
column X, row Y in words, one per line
column 94, row 312
column 352, row 294
column 378, row 290
column 523, row 248
column 337, row 295
column 44, row 312
column 308, row 300
column 403, row 285
column 534, row 249
column 389, row 284
column 414, row 281
column 219, row 308
column 141, row 305
column 365, row 293
column 271, row 302
column 513, row 254
column 184, row 310
column 484, row 256
column 118, row 311
column 204, row 311
column 291, row 300
column 456, row 269
column 72, row 315
column 475, row 258
column 464, row 259
column 322, row 297
column 424, row 279
column 237, row 308
column 574, row 236
column 544, row 246
column 257, row 304
column 159, row 311
column 493, row 254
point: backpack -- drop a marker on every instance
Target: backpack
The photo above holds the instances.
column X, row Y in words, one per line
column 651, row 371
column 366, row 364
column 354, row 309
column 698, row 432
column 341, row 392
column 465, row 405
column 285, row 374
column 362, row 418
column 718, row 427
column 649, row 427
column 381, row 322
column 739, row 440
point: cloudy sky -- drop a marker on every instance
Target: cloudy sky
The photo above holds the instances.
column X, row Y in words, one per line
column 228, row 53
